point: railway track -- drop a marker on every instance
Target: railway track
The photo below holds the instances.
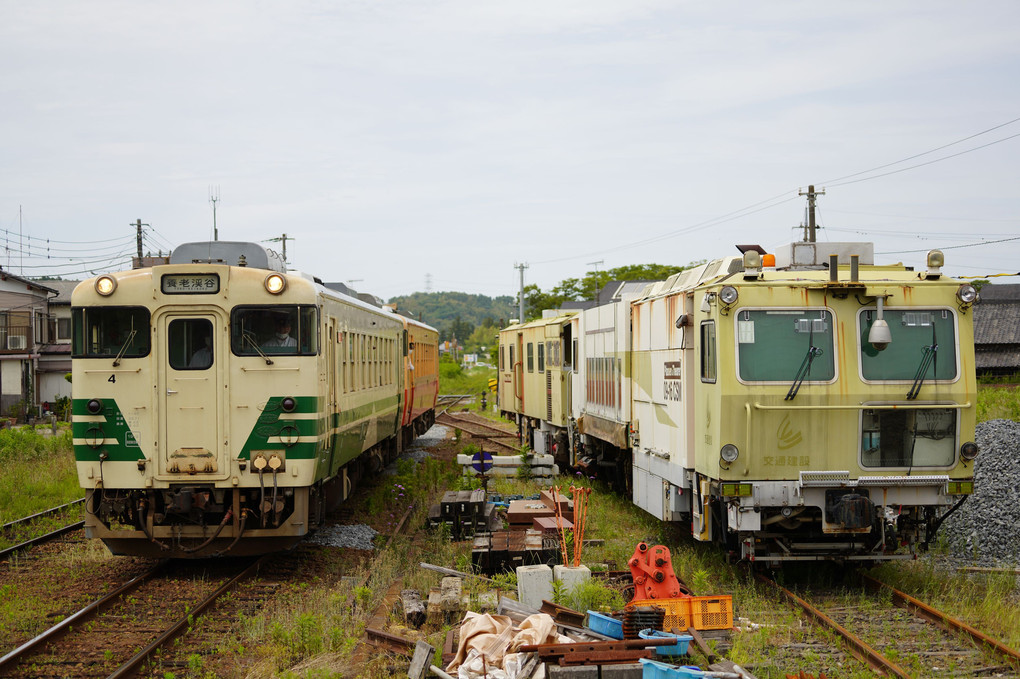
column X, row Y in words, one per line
column 103, row 638
column 899, row 636
column 479, row 428
column 15, row 530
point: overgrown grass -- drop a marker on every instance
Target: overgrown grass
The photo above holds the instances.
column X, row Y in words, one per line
column 998, row 403
column 455, row 380
column 38, row 471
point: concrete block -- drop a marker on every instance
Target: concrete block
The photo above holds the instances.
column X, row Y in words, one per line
column 623, row 671
column 571, row 577
column 451, row 589
column 572, row 672
column 534, row 583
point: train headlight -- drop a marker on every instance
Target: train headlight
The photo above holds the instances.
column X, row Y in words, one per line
column 287, row 404
column 967, row 294
column 728, row 295
column 105, row 285
column 94, row 406
column 969, row 451
column 275, row 283
column 729, row 454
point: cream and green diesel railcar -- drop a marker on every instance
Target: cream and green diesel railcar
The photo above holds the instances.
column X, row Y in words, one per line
column 815, row 407
column 222, row 405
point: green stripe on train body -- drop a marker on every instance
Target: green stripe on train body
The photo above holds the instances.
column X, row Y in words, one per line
column 114, row 426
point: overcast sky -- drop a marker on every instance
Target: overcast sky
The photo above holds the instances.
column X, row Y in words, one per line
column 448, row 140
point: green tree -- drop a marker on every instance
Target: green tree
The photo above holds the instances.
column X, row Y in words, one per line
column 577, row 289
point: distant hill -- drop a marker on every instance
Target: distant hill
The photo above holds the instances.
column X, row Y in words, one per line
column 442, row 309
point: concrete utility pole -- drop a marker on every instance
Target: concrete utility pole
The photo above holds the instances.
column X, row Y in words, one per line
column 284, row 238
column 596, row 265
column 811, row 195
column 138, row 239
column 520, row 297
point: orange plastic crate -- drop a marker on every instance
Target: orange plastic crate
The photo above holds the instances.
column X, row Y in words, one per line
column 699, row 612
column 712, row 612
column 678, row 611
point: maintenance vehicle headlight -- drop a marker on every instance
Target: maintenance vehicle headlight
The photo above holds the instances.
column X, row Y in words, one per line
column 969, row 450
column 275, row 283
column 967, row 294
column 728, row 295
column 287, row 404
column 105, row 285
column 729, row 453
column 94, row 406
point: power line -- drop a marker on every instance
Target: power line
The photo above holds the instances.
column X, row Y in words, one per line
column 831, row 182
column 951, row 247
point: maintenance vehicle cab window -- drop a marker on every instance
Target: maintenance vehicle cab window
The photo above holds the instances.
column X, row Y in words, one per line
column 110, row 332
column 280, row 329
column 923, row 345
column 902, row 439
column 785, row 345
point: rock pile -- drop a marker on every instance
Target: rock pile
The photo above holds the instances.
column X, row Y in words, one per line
column 987, row 525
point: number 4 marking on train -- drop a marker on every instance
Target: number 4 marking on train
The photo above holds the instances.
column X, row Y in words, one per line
column 113, row 378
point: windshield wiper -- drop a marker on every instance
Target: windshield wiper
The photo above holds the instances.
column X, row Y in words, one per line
column 805, row 370
column 250, row 339
column 123, row 348
column 927, row 359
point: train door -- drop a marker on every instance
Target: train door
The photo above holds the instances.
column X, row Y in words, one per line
column 190, row 396
column 518, row 369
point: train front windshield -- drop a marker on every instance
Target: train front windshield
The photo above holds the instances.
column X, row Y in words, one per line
column 278, row 329
column 110, row 332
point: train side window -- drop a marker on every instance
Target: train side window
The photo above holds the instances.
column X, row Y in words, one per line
column 708, row 352
column 574, row 354
column 511, row 357
column 541, row 357
column 531, row 357
column 190, row 344
column 108, row 332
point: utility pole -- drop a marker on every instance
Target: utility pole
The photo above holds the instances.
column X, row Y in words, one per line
column 138, row 242
column 520, row 298
column 214, row 197
column 284, row 238
column 811, row 195
column 596, row 265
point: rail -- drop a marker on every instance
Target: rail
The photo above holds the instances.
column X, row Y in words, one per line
column 946, row 622
column 185, row 622
column 41, row 539
column 10, row 524
column 76, row 618
column 854, row 645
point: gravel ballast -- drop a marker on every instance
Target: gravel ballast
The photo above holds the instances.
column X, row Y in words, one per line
column 986, row 527
column 360, row 536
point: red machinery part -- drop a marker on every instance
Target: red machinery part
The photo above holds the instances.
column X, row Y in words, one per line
column 654, row 577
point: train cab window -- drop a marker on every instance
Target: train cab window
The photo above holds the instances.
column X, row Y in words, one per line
column 708, row 350
column 190, row 344
column 785, row 345
column 278, row 329
column 110, row 332
column 908, row 438
column 511, row 357
column 923, row 345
